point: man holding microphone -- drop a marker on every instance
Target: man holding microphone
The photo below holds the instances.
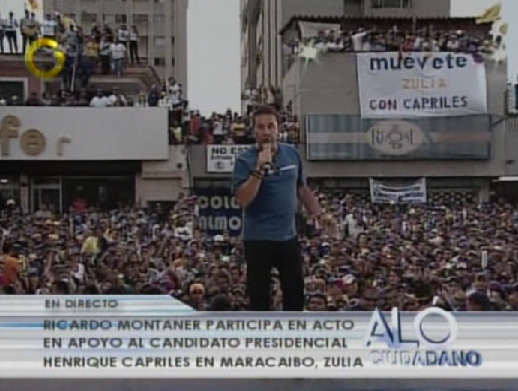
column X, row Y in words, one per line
column 268, row 181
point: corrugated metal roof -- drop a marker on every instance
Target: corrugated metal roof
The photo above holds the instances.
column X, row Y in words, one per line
column 337, row 19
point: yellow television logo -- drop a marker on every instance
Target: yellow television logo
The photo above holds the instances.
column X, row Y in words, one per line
column 59, row 56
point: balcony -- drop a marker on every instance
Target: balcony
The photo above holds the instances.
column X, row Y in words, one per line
column 135, row 77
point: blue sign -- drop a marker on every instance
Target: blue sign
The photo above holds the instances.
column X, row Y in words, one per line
column 219, row 211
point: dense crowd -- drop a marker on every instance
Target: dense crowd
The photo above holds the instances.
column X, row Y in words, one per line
column 457, row 257
column 374, row 40
column 185, row 125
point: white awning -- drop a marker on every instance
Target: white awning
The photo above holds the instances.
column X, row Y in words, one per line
column 311, row 30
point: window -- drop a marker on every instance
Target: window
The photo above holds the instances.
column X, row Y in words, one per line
column 392, row 3
column 9, row 88
column 140, row 18
column 109, row 19
column 88, row 18
column 160, row 41
column 159, row 61
column 121, row 19
column 159, row 19
column 173, row 61
column 141, row 21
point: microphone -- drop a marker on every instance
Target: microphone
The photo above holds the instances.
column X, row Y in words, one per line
column 268, row 166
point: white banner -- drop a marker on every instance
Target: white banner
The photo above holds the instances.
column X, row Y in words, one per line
column 414, row 193
column 221, row 158
column 421, row 85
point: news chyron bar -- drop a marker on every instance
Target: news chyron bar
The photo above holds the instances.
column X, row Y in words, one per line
column 159, row 337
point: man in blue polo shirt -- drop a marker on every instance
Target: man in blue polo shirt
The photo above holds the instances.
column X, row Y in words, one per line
column 268, row 180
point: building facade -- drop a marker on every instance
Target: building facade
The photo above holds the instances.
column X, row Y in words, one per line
column 262, row 21
column 62, row 157
column 346, row 142
column 16, row 80
column 162, row 27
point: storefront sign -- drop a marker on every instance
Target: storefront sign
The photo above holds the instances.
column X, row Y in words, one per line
column 221, row 158
column 83, row 133
column 219, row 211
column 350, row 137
column 421, row 85
column 414, row 193
column 395, row 137
column 32, row 141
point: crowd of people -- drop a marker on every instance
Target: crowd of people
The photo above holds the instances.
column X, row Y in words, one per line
column 458, row 257
column 103, row 48
column 185, row 125
column 395, row 40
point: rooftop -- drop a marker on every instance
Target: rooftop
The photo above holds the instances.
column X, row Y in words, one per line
column 420, row 21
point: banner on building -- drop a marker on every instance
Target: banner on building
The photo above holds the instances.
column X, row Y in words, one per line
column 350, row 137
column 413, row 193
column 221, row 158
column 218, row 211
column 421, row 84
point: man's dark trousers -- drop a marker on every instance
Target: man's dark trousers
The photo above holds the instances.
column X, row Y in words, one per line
column 261, row 256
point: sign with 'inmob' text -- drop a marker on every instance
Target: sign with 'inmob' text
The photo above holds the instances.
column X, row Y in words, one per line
column 421, row 84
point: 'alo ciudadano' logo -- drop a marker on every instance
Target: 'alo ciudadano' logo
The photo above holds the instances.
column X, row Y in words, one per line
column 423, row 349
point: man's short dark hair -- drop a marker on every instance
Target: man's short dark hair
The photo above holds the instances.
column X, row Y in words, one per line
column 220, row 302
column 266, row 110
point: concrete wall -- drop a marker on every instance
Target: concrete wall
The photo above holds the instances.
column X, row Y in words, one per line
column 198, row 158
column 432, row 8
column 353, row 7
column 180, row 48
column 164, row 180
column 311, row 8
column 421, row 8
column 157, row 190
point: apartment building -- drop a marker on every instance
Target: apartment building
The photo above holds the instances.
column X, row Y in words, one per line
column 162, row 27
